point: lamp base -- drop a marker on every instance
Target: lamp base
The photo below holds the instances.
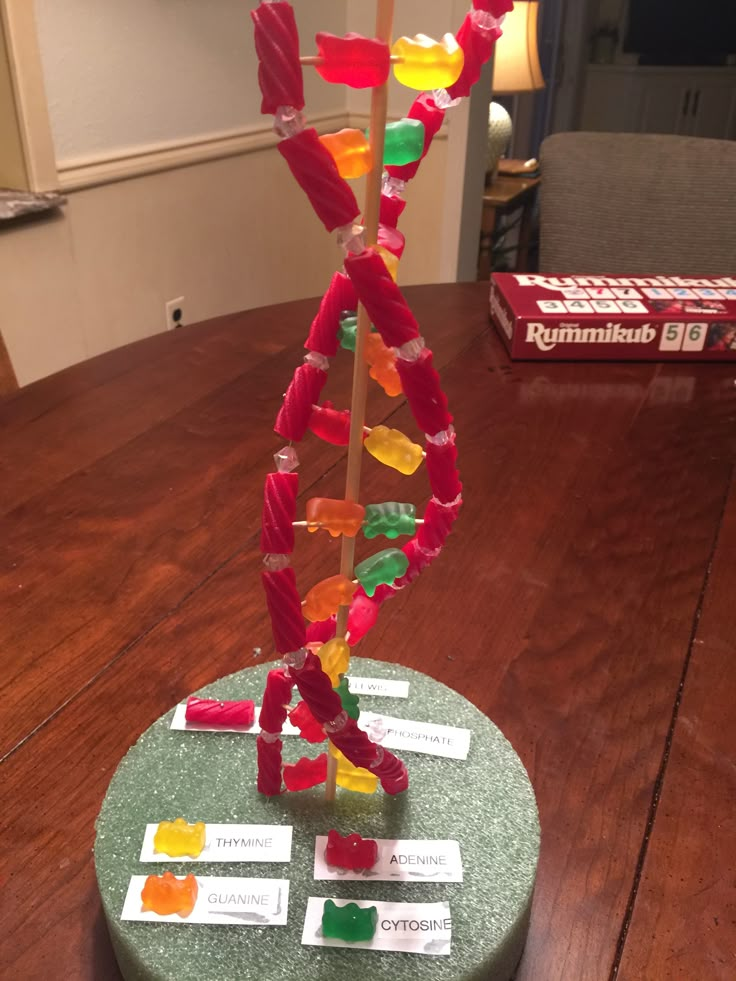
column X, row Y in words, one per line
column 499, row 137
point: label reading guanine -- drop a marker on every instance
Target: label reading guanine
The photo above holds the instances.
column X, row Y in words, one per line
column 225, row 900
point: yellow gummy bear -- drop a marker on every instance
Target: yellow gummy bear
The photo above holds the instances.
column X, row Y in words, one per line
column 394, row 449
column 427, row 64
column 351, row 777
column 177, row 838
column 335, row 658
column 390, row 261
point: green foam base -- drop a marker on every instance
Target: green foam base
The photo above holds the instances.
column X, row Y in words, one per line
column 486, row 803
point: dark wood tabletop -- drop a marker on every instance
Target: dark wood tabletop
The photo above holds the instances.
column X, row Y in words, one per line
column 585, row 602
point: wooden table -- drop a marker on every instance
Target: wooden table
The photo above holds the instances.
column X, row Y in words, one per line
column 585, row 602
column 504, row 196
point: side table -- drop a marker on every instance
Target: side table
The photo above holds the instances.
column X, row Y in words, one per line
column 504, row 196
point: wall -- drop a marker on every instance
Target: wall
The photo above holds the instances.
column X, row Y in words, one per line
column 99, row 275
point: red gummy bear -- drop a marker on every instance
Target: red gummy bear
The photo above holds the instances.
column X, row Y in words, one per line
column 309, row 729
column 306, row 773
column 351, row 852
column 354, row 60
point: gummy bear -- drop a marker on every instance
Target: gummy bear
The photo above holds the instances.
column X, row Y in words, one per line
column 177, row 838
column 393, row 448
column 383, row 567
column 309, row 729
column 354, row 60
column 324, row 599
column 351, row 851
column 351, row 922
column 390, row 519
column 306, row 773
column 383, row 365
column 336, row 516
column 354, row 778
column 165, row 894
column 350, row 702
column 334, row 657
column 404, row 142
column 351, row 151
column 331, row 425
column 427, row 64
column 390, row 260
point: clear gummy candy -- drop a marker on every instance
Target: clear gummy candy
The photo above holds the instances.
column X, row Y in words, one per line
column 286, row 459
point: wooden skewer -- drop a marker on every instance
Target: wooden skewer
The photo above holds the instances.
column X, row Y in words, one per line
column 321, row 524
column 316, row 60
column 376, row 135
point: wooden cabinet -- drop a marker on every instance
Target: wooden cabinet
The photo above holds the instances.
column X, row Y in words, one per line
column 688, row 101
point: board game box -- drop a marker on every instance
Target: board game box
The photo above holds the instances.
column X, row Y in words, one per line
column 611, row 318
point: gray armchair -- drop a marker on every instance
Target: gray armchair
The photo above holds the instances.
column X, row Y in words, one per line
column 632, row 203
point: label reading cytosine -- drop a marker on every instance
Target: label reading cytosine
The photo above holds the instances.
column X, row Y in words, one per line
column 415, row 928
column 229, row 901
column 378, row 686
column 416, row 737
column 400, row 861
column 231, row 843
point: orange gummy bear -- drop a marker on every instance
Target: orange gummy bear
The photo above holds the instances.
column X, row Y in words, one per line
column 323, row 599
column 383, row 364
column 165, row 894
column 337, row 517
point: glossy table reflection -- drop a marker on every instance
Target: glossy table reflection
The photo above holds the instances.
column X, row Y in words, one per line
column 584, row 603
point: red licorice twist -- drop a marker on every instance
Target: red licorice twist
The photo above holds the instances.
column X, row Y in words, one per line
column 438, row 522
column 303, row 391
column 212, row 712
column 316, row 689
column 477, row 47
column 269, row 766
column 276, row 697
column 316, row 173
column 382, row 298
column 392, row 773
column 279, row 511
column 392, row 207
column 357, row 747
column 496, row 7
column 421, row 385
column 442, row 471
column 285, row 609
column 277, row 47
column 323, row 334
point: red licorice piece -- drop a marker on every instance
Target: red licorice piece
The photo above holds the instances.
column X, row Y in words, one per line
column 496, row 7
column 391, row 239
column 309, row 729
column 361, row 617
column 418, row 561
column 276, row 697
column 392, row 207
column 392, row 773
column 331, row 425
column 316, row 689
column 296, row 409
column 424, row 109
column 316, row 173
column 438, row 522
column 427, row 401
column 279, row 510
column 354, row 60
column 444, row 478
column 321, row 631
column 350, row 851
column 277, row 47
column 285, row 609
column 215, row 713
column 477, row 47
column 269, row 766
column 379, row 294
column 306, row 773
column 323, row 334
column 382, row 593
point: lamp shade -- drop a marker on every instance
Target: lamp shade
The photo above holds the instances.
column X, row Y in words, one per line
column 516, row 62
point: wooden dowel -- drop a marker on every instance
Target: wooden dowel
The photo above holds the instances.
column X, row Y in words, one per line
column 316, row 60
column 320, row 524
column 376, row 134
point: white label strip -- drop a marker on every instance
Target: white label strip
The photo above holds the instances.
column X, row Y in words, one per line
column 378, row 686
column 229, row 901
column 414, row 928
column 179, row 722
column 416, row 737
column 231, row 843
column 399, row 861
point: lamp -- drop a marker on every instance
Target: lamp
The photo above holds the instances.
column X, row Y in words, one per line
column 515, row 69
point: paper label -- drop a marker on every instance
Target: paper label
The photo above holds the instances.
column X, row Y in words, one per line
column 226, row 900
column 231, row 843
column 378, row 686
column 416, row 737
column 179, row 722
column 401, row 860
column 415, row 928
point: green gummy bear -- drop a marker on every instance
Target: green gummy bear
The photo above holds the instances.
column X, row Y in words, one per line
column 383, row 567
column 348, row 332
column 350, row 922
column 390, row 519
column 348, row 700
column 404, row 142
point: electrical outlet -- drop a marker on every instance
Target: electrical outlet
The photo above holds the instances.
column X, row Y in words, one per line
column 175, row 313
